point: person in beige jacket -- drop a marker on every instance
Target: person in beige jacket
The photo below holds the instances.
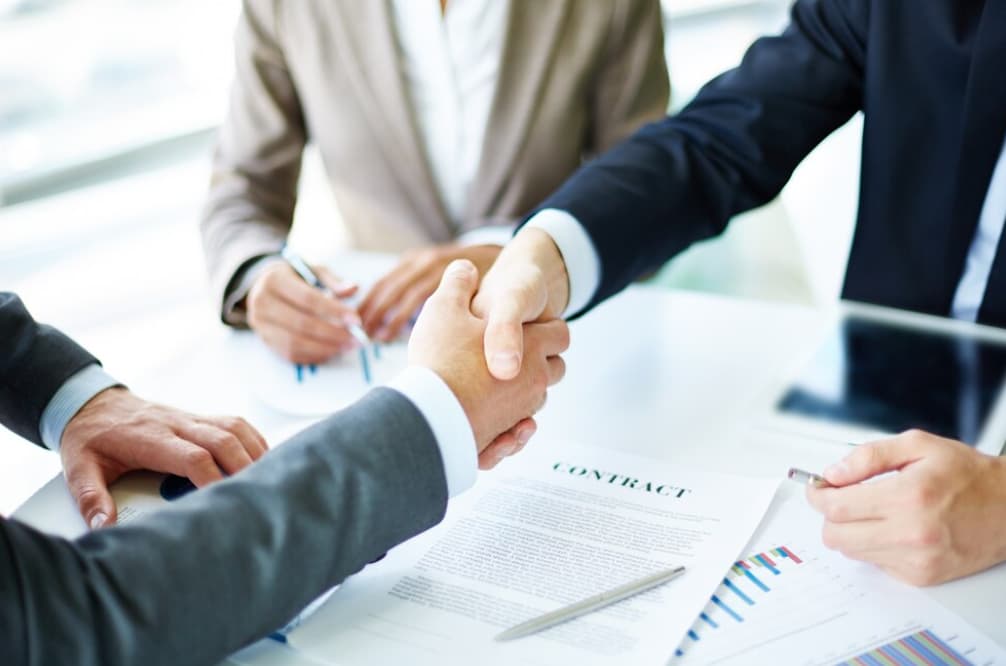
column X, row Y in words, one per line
column 441, row 124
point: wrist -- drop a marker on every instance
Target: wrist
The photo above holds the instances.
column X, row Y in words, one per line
column 538, row 246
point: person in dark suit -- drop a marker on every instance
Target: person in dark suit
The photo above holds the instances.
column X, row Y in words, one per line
column 56, row 394
column 222, row 567
column 928, row 78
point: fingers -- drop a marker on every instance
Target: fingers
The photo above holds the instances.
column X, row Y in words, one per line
column 409, row 304
column 507, row 444
column 386, row 295
column 298, row 349
column 339, row 287
column 869, row 460
column 294, row 291
column 550, row 338
column 865, row 501
column 556, row 369
column 89, row 489
column 179, row 456
column 855, row 540
column 297, row 320
column 252, row 441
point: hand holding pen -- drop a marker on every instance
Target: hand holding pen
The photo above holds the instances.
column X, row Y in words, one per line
column 303, row 323
column 352, row 323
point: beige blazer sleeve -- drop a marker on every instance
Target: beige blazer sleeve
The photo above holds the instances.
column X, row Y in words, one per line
column 633, row 87
column 257, row 161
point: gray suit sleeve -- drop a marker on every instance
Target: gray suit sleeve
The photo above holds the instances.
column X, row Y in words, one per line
column 226, row 565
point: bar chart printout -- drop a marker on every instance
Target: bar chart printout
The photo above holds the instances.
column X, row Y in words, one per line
column 923, row 647
column 791, row 601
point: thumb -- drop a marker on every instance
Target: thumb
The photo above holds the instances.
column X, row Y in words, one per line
column 869, row 460
column 89, row 489
column 522, row 300
column 458, row 284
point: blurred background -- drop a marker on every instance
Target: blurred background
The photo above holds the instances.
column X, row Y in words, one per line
column 107, row 115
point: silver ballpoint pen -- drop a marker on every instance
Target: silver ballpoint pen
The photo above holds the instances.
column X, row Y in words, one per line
column 590, row 604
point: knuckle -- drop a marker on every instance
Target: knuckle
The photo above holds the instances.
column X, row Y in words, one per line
column 197, row 458
column 836, row 512
column 227, row 440
column 925, row 537
column 922, row 496
column 924, row 569
column 87, row 494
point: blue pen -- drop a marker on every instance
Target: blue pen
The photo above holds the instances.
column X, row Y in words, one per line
column 280, row 635
column 306, row 274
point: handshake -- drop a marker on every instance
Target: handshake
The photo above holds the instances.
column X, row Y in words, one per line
column 496, row 345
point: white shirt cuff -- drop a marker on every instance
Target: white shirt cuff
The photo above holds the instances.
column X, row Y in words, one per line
column 497, row 234
column 75, row 392
column 583, row 265
column 447, row 419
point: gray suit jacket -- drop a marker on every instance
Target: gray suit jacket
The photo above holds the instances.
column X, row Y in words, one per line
column 577, row 76
column 225, row 565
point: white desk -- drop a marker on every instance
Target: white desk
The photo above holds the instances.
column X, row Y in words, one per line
column 663, row 374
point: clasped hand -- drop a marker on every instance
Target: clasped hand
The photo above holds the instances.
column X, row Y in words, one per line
column 448, row 339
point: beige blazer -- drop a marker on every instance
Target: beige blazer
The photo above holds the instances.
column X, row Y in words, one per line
column 576, row 76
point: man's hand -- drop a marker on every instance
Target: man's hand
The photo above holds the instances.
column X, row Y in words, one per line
column 528, row 283
column 448, row 340
column 117, row 432
column 938, row 518
column 298, row 321
column 398, row 295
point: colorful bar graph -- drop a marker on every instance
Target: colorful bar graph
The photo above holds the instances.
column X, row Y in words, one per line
column 922, row 648
column 744, row 569
column 763, row 561
column 786, row 552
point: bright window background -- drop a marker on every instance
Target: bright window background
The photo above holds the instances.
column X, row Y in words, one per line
column 107, row 110
column 84, row 80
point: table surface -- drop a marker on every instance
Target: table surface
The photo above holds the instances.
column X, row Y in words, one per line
column 671, row 375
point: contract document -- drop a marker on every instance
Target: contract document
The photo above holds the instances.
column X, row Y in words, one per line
column 549, row 527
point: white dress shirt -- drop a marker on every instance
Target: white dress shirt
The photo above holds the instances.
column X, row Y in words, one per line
column 450, row 62
column 583, row 265
column 982, row 253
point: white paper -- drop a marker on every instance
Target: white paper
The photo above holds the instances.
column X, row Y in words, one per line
column 821, row 609
column 313, row 390
column 554, row 525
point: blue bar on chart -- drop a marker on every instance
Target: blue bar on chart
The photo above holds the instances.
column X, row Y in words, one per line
column 726, row 609
column 736, row 590
column 742, row 569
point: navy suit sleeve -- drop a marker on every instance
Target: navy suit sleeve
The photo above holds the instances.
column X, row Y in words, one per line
column 34, row 362
column 733, row 148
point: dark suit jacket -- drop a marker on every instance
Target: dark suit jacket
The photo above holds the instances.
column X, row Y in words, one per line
column 929, row 77
column 221, row 567
column 35, row 360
